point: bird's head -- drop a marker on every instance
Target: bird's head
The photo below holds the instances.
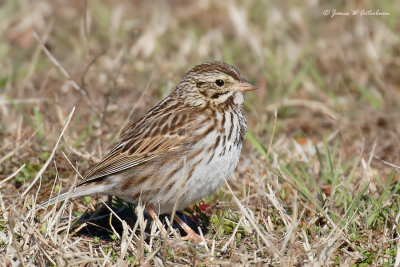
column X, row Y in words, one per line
column 213, row 83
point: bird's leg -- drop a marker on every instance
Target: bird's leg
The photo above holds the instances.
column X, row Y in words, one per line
column 154, row 215
column 189, row 231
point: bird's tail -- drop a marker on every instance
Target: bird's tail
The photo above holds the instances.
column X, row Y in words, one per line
column 73, row 192
column 84, row 189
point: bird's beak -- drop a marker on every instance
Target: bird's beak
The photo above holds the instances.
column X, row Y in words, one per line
column 244, row 86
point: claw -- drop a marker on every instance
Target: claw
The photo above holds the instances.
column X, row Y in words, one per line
column 189, row 231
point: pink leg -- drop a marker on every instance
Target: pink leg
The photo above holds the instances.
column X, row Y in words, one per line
column 190, row 233
column 154, row 215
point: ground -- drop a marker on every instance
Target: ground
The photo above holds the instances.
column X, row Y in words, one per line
column 317, row 181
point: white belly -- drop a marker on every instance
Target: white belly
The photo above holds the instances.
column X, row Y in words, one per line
column 207, row 178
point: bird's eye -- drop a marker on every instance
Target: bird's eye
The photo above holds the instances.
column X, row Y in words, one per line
column 219, row 83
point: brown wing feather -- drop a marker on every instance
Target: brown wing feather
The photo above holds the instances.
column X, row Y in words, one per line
column 154, row 135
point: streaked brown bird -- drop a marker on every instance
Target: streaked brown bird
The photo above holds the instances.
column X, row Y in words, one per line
column 180, row 151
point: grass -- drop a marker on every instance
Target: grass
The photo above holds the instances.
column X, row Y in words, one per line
column 317, row 182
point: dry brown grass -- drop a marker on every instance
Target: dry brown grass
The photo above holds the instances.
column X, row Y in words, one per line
column 317, row 180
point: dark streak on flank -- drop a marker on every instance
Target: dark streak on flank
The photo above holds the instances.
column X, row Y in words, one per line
column 231, row 128
column 211, row 157
column 135, row 181
column 213, row 149
column 174, row 171
column 140, row 180
column 222, row 152
column 194, row 154
column 217, row 142
column 136, row 195
column 167, row 187
column 222, row 126
column 193, row 168
column 208, row 130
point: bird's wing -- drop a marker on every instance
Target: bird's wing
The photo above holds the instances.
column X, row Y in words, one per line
column 117, row 161
column 158, row 137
